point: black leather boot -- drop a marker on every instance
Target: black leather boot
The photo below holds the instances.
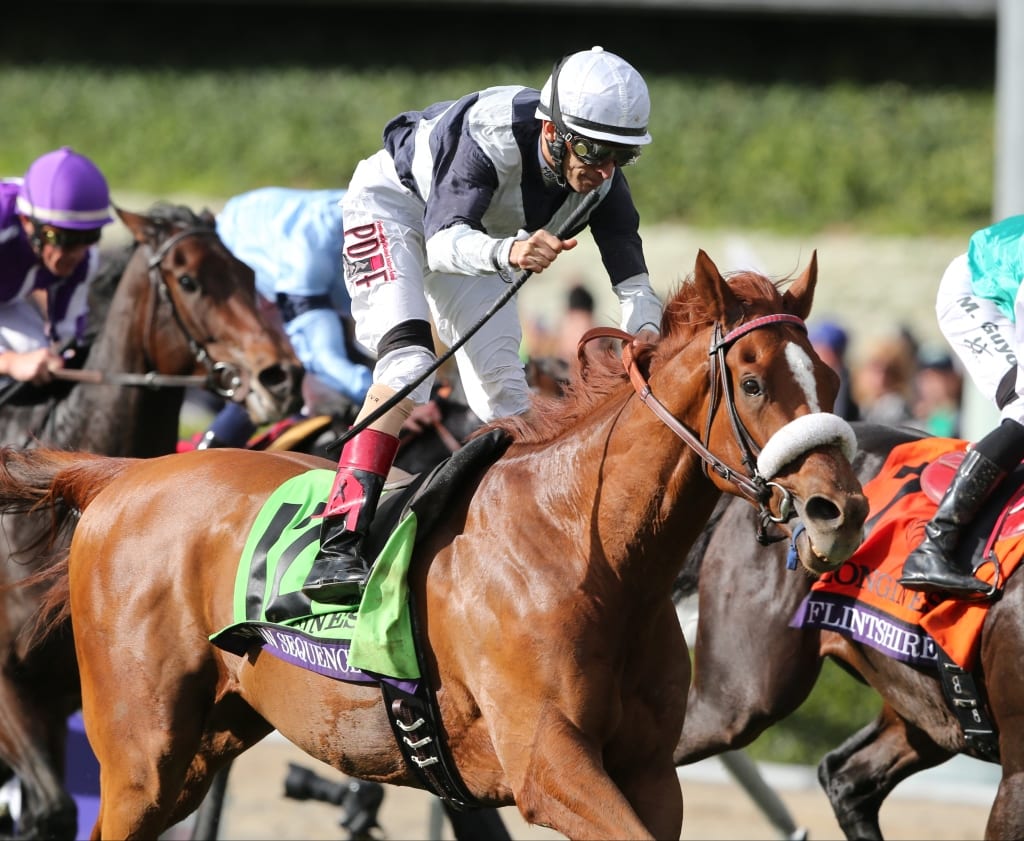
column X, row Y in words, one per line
column 339, row 570
column 933, row 566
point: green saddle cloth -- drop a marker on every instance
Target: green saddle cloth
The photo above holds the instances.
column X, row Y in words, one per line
column 359, row 643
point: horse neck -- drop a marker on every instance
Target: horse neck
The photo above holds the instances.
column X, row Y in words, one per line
column 120, row 420
column 643, row 484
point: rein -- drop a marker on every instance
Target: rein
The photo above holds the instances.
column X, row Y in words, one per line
column 753, row 485
column 150, row 379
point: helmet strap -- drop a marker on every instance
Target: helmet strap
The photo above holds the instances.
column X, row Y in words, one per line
column 557, row 148
column 35, row 239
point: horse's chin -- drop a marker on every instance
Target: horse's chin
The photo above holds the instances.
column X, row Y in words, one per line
column 816, row 563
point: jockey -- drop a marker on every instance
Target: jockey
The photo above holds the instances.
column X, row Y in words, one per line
column 50, row 224
column 980, row 308
column 463, row 196
column 291, row 239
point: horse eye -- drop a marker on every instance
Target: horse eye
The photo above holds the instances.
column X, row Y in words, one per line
column 751, row 387
column 188, row 283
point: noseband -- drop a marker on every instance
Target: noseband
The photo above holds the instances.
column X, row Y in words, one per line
column 752, row 483
column 222, row 377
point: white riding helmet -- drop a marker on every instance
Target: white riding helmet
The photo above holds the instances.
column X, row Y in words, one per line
column 601, row 96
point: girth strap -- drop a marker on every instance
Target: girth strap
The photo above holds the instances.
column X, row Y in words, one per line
column 965, row 702
column 416, row 722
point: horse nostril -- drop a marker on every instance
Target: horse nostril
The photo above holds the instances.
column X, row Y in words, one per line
column 822, row 509
column 275, row 376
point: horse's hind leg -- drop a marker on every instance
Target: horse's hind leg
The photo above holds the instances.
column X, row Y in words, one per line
column 859, row 774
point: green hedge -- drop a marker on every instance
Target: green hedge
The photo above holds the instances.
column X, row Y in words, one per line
column 780, row 157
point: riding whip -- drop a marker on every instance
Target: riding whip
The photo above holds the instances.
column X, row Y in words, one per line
column 577, row 216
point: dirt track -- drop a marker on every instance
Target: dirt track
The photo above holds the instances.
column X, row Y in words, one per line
column 716, row 808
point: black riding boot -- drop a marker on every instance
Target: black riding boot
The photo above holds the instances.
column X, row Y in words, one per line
column 339, row 570
column 932, row 566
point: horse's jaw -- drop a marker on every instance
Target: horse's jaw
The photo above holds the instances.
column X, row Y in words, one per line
column 822, row 550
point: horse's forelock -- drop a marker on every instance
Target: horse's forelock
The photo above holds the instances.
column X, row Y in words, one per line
column 169, row 214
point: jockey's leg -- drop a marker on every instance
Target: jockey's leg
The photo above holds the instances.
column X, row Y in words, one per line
column 230, row 428
column 932, row 566
column 340, row 570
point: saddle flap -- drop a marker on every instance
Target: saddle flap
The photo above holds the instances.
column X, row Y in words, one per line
column 939, row 473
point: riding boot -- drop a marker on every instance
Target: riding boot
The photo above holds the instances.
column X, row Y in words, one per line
column 339, row 571
column 933, row 566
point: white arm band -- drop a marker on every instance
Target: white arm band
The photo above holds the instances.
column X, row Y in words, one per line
column 641, row 307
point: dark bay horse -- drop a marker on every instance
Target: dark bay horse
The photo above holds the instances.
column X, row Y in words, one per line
column 182, row 307
column 553, row 649
column 751, row 670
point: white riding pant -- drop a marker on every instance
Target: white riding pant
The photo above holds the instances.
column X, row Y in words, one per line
column 22, row 327
column 986, row 341
column 384, row 235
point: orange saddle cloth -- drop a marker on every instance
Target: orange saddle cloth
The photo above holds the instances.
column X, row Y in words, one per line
column 864, row 600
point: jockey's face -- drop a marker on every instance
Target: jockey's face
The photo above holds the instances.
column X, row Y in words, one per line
column 60, row 250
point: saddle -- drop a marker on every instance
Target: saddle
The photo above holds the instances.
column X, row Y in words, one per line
column 410, row 704
column 1002, row 515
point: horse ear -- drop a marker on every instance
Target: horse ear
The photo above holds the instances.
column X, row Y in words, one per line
column 800, row 295
column 722, row 304
column 140, row 226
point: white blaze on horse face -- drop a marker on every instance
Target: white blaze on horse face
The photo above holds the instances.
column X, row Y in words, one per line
column 803, row 372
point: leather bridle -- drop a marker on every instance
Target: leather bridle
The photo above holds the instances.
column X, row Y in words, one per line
column 222, row 377
column 750, row 482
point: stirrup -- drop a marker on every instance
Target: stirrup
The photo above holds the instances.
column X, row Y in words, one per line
column 995, row 590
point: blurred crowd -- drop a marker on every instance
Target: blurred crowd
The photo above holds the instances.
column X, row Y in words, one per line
column 893, row 379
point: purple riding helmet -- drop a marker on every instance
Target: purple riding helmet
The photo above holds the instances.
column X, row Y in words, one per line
column 66, row 190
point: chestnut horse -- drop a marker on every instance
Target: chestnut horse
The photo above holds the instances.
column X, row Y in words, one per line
column 183, row 310
column 553, row 650
column 751, row 670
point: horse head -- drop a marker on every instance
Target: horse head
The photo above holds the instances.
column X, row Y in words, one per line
column 219, row 327
column 766, row 424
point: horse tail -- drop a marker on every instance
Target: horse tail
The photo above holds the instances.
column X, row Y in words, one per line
column 41, row 479
column 61, row 483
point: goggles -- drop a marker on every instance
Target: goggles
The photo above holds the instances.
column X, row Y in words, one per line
column 594, row 153
column 68, row 238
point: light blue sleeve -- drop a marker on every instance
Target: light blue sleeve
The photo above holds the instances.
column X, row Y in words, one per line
column 319, row 343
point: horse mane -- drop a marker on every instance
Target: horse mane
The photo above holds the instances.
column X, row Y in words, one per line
column 603, row 375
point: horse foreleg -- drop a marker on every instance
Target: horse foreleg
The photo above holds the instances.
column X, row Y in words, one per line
column 739, row 690
column 859, row 774
column 563, row 784
column 1006, row 820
